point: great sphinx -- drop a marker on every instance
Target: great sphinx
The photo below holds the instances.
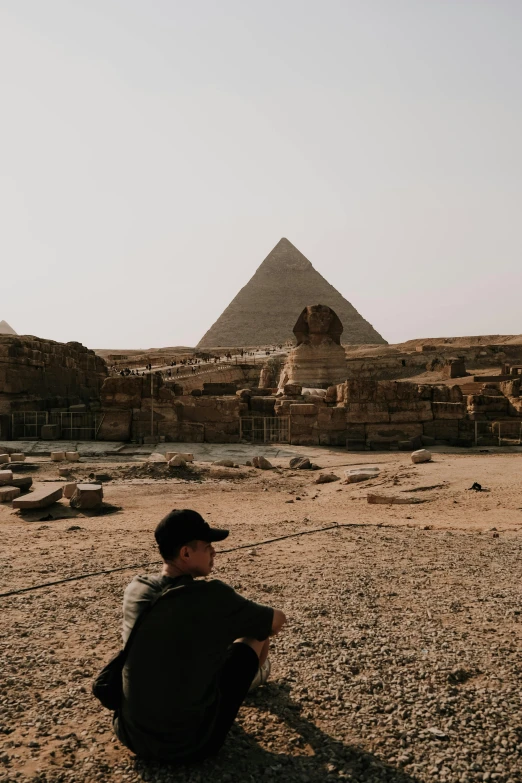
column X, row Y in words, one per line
column 318, row 359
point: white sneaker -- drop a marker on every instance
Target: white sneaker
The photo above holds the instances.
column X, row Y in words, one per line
column 262, row 675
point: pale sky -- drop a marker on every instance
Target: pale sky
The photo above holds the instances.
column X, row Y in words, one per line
column 152, row 152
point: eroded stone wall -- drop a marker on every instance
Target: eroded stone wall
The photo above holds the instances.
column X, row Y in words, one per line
column 38, row 374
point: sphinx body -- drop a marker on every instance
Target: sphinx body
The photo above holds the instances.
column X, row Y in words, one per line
column 318, row 360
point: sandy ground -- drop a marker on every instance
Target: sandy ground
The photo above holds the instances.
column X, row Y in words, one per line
column 401, row 659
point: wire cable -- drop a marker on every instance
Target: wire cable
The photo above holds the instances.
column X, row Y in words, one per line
column 157, row 562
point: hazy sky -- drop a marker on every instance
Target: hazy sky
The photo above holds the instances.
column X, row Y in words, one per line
column 152, row 152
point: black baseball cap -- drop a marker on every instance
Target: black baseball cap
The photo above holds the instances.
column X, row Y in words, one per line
column 182, row 525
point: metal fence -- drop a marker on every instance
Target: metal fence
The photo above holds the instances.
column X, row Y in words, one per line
column 28, row 424
column 265, row 429
column 498, row 433
column 78, row 426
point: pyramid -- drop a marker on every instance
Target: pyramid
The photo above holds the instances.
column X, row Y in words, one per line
column 5, row 328
column 264, row 312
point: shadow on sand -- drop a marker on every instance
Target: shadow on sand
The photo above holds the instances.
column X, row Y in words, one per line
column 318, row 757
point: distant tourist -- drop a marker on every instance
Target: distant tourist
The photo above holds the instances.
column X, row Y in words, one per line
column 197, row 652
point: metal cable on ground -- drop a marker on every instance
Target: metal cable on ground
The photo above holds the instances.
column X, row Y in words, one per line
column 157, row 562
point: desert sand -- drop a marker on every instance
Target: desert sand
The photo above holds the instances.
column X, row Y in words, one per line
column 401, row 657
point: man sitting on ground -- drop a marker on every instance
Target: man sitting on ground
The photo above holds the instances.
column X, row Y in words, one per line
column 195, row 655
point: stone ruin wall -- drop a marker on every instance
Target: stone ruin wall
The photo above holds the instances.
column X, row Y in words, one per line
column 392, row 364
column 38, row 374
column 381, row 414
column 356, row 414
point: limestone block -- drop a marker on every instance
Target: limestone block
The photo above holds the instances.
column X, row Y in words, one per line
column 367, row 412
column 304, row 409
column 64, row 472
column 425, row 391
column 331, row 419
column 156, row 457
column 69, row 489
column 17, row 457
column 8, row 493
column 360, row 474
column 50, row 432
column 124, row 392
column 355, row 444
column 326, row 478
column 426, row 440
column 218, row 472
column 449, row 410
column 24, row 483
column 456, row 394
column 292, row 389
column 282, row 407
column 39, row 499
column 6, row 476
column 72, row 456
column 393, row 499
column 87, row 496
column 262, row 463
column 177, row 462
column 410, row 410
column 331, row 394
column 57, row 456
column 422, row 455
column 392, row 432
column 355, row 431
column 263, row 405
column 116, row 425
column 4, row 458
column 188, row 457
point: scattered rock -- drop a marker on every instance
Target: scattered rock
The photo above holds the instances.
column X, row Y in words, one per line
column 39, row 499
column 225, row 463
column 177, row 461
column 360, row 474
column 421, row 455
column 326, row 478
column 87, row 496
column 69, row 489
column 262, row 463
column 300, row 463
column 393, row 500
column 8, row 493
column 220, row 472
column 187, row 456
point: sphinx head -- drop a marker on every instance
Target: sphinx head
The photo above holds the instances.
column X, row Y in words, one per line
column 317, row 322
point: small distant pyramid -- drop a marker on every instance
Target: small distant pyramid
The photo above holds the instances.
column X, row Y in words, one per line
column 5, row 328
column 265, row 310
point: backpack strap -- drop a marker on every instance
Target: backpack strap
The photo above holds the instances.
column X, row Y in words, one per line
column 145, row 612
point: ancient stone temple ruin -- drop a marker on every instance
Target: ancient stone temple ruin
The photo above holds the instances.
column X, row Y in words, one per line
column 264, row 311
column 314, row 395
column 318, row 360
